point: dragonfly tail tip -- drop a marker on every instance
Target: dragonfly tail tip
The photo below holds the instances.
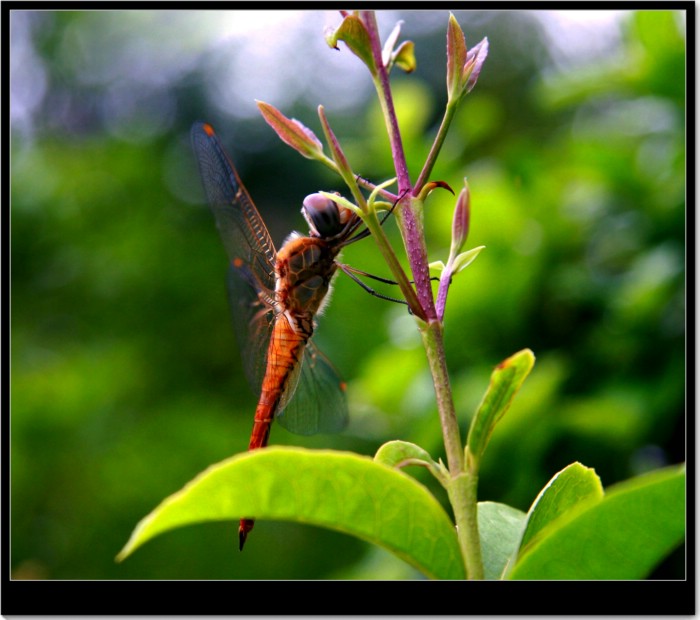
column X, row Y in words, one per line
column 243, row 529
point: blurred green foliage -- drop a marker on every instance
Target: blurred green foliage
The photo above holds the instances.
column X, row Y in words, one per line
column 125, row 378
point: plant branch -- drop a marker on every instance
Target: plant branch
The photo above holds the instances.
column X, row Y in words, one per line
column 462, row 484
column 432, row 336
column 375, row 227
column 410, row 219
column 463, row 498
column 381, row 83
column 450, row 110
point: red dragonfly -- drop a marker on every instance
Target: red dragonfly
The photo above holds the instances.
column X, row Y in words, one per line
column 275, row 297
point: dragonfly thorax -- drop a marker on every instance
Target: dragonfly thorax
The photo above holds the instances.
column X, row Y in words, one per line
column 304, row 269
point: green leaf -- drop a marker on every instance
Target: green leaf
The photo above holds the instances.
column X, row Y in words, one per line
column 506, row 380
column 353, row 32
column 403, row 453
column 624, row 536
column 463, row 260
column 500, row 529
column 337, row 490
column 405, row 57
column 573, row 487
column 394, row 453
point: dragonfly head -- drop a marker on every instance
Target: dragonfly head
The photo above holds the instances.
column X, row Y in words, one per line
column 325, row 217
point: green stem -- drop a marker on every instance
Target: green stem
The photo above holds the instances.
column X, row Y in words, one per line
column 462, row 494
column 463, row 482
column 450, row 110
column 435, row 350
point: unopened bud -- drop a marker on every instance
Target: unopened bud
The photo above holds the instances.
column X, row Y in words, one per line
column 463, row 67
column 460, row 221
column 475, row 60
column 292, row 132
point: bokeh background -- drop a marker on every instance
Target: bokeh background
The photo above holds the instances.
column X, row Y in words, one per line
column 125, row 377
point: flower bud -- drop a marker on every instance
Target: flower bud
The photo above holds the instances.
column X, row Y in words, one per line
column 463, row 67
column 456, row 58
column 475, row 60
column 460, row 221
column 292, row 132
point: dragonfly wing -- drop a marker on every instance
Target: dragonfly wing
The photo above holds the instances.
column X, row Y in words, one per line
column 319, row 403
column 249, row 247
column 242, row 229
column 252, row 325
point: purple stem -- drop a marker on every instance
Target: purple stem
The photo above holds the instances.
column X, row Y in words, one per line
column 397, row 154
column 412, row 230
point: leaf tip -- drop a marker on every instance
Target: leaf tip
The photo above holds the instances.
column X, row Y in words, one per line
column 524, row 357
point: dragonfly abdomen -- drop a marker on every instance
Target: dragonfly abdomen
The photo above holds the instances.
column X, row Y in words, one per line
column 284, row 357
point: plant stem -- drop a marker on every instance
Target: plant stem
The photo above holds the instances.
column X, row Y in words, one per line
column 463, row 483
column 434, row 347
column 374, row 225
column 381, row 83
column 410, row 221
column 450, row 110
column 462, row 494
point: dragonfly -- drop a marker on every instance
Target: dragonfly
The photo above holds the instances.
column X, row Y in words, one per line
column 275, row 297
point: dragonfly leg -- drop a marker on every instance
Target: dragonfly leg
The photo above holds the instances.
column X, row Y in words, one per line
column 378, row 278
column 351, row 271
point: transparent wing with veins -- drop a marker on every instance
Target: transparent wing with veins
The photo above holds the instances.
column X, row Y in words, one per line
column 251, row 277
column 252, row 324
column 319, row 404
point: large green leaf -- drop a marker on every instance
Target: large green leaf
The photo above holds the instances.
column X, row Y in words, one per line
column 624, row 536
column 572, row 488
column 338, row 490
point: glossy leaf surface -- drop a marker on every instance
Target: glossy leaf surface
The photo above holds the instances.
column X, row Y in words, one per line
column 506, row 380
column 337, row 490
column 573, row 487
column 624, row 536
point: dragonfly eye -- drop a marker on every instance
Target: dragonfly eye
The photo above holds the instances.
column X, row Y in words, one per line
column 322, row 215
